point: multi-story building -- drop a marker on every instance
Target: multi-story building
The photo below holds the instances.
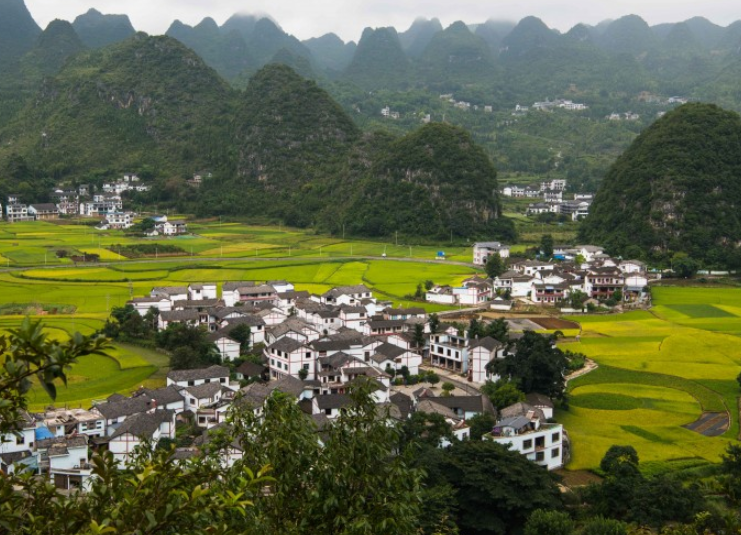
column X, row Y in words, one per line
column 540, row 442
column 483, row 250
column 449, row 351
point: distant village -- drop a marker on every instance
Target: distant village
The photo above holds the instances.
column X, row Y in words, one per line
column 552, row 192
column 583, row 273
column 106, row 204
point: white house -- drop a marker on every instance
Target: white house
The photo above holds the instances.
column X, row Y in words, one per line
column 199, row 376
column 147, row 426
column 173, row 293
column 143, row 304
column 481, row 352
column 202, row 395
column 201, row 291
column 346, row 295
column 482, row 251
column 288, row 356
column 64, row 460
column 397, row 357
column 18, row 447
column 541, row 443
column 441, row 294
column 228, row 347
column 449, row 351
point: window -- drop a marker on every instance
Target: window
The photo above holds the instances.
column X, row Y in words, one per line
column 540, row 456
column 191, row 383
column 308, row 354
column 556, row 437
column 554, row 453
column 20, row 439
column 306, row 367
column 527, row 444
column 222, row 380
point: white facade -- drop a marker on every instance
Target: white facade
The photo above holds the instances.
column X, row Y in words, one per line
column 199, row 292
column 543, row 445
column 483, row 250
column 229, row 349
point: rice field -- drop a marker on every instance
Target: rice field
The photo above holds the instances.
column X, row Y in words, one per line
column 659, row 370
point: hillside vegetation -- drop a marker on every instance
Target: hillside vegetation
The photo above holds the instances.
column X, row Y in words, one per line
column 676, row 188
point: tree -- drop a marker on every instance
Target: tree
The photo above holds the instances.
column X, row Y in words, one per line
column 536, row 365
column 546, row 245
column 185, row 358
column 194, row 339
column 303, row 373
column 577, row 298
column 433, row 378
column 604, row 526
column 544, row 522
column 419, row 293
column 502, row 393
column 28, row 352
column 434, row 323
column 617, row 458
column 427, row 429
column 448, row 388
column 419, row 335
column 684, row 266
column 482, row 473
column 475, row 329
column 242, row 334
column 499, row 330
column 481, row 424
column 494, row 266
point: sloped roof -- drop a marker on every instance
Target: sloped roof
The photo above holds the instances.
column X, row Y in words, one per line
column 487, row 342
column 333, row 401
column 204, row 391
column 212, row 372
column 480, row 404
column 124, row 407
column 286, row 344
column 143, row 425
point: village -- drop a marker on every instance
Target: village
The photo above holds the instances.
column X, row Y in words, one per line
column 315, row 347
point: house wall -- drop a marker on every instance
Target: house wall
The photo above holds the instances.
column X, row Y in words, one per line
column 552, row 452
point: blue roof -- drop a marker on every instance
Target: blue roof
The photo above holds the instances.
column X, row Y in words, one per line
column 43, row 433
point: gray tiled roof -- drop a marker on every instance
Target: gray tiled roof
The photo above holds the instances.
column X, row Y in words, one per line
column 204, row 391
column 212, row 372
column 143, row 425
column 333, row 401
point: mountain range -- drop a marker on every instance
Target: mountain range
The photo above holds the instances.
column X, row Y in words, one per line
column 670, row 58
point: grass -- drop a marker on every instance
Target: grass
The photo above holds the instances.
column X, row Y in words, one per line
column 659, row 370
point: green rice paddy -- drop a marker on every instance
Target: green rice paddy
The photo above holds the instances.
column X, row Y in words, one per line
column 218, row 253
column 659, row 371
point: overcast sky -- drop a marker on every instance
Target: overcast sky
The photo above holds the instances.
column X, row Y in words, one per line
column 347, row 18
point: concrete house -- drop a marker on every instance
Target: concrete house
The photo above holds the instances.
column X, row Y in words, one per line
column 483, row 250
column 199, row 376
column 147, row 427
column 481, row 353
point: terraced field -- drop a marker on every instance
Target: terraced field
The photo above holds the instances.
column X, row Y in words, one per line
column 666, row 382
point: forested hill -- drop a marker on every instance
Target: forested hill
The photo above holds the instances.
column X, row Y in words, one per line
column 676, row 189
column 147, row 101
column 281, row 149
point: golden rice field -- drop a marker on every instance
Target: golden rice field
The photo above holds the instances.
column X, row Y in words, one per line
column 659, row 371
